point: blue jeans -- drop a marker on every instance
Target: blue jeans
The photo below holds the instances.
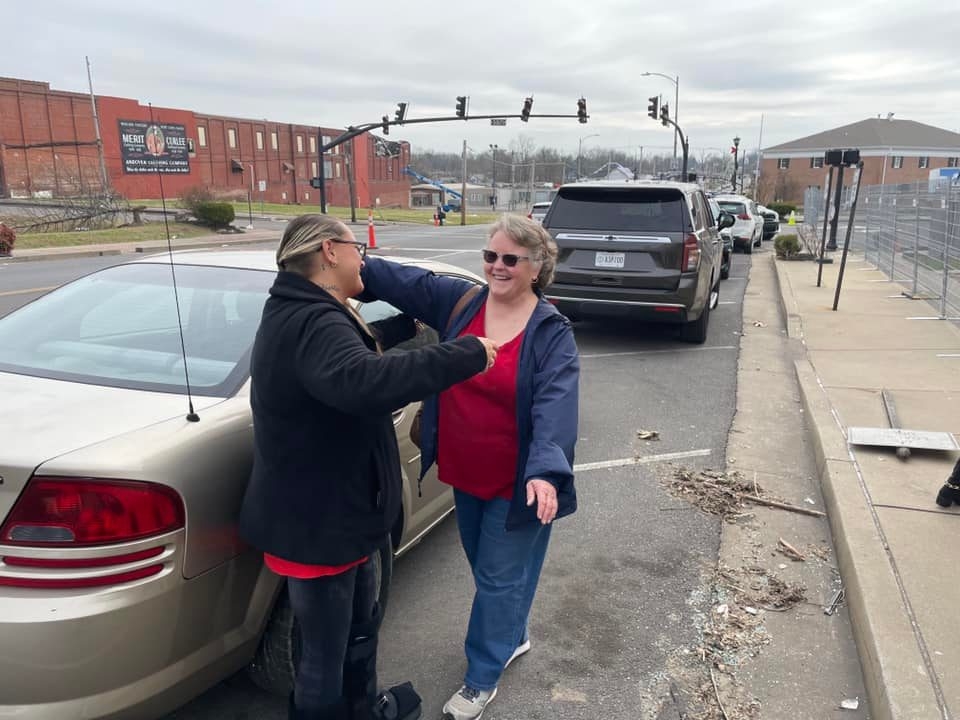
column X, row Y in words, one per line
column 506, row 568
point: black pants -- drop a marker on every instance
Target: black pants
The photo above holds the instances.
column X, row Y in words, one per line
column 339, row 621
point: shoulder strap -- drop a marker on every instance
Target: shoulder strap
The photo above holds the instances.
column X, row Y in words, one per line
column 461, row 304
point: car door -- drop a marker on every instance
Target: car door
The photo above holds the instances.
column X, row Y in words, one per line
column 710, row 233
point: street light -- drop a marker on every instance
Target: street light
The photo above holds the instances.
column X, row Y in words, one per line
column 676, row 105
column 580, row 150
column 493, row 184
column 736, row 152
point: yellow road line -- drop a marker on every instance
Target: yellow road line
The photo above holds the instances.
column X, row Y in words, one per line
column 30, row 291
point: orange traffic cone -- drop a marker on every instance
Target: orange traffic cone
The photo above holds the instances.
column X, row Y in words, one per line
column 371, row 233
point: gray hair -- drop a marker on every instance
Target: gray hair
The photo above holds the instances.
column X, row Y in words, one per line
column 303, row 237
column 531, row 235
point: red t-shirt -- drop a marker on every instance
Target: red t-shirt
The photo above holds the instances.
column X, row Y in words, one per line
column 288, row 568
column 477, row 443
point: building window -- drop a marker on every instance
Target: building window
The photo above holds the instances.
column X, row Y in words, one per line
column 313, row 169
column 274, row 141
column 300, row 143
column 313, row 143
column 783, row 163
column 259, row 139
column 953, row 162
column 923, row 162
column 202, row 135
column 327, row 168
column 816, row 162
column 336, row 170
column 896, row 162
column 326, row 141
column 231, row 137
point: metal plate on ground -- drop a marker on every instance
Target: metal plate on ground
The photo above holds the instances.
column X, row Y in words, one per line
column 898, row 437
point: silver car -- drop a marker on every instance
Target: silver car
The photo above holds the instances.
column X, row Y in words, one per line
column 124, row 587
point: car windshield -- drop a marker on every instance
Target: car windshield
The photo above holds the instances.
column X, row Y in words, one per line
column 736, row 208
column 653, row 210
column 118, row 327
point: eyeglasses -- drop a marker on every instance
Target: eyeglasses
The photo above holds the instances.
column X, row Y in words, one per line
column 509, row 259
column 361, row 246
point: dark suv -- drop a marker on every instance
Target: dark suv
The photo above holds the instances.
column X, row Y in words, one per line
column 648, row 250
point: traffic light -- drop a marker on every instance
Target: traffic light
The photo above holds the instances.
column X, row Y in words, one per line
column 401, row 112
column 582, row 110
column 386, row 125
column 527, row 107
column 664, row 114
column 462, row 106
column 653, row 109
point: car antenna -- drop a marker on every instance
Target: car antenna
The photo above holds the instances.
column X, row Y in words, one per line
column 191, row 414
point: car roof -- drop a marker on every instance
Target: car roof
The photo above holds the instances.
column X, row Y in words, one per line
column 733, row 198
column 635, row 184
column 543, row 203
column 266, row 260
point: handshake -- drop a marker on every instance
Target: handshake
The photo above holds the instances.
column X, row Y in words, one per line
column 491, row 347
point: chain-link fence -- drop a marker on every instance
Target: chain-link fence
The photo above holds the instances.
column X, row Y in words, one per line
column 910, row 232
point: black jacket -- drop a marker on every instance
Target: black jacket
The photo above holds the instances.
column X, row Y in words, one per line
column 326, row 482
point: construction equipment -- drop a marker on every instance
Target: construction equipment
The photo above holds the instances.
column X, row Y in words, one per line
column 447, row 206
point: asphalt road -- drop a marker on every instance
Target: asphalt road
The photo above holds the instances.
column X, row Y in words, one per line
column 623, row 585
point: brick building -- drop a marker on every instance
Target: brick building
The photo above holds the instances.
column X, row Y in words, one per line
column 893, row 152
column 48, row 148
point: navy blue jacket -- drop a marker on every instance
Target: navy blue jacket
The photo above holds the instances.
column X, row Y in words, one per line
column 326, row 482
column 548, row 378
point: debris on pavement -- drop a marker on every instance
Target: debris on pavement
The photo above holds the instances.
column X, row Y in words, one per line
column 851, row 704
column 757, row 323
column 834, row 603
column 648, row 434
column 785, row 548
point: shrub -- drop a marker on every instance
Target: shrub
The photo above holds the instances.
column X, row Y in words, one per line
column 8, row 238
column 786, row 245
column 782, row 208
column 215, row 214
column 194, row 196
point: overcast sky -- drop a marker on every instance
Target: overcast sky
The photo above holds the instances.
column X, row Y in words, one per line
column 804, row 67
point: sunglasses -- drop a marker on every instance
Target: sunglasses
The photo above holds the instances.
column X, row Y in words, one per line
column 361, row 246
column 509, row 259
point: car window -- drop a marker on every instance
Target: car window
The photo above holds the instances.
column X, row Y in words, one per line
column 653, row 210
column 118, row 327
column 380, row 310
column 735, row 208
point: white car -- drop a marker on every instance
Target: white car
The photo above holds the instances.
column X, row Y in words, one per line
column 539, row 211
column 747, row 231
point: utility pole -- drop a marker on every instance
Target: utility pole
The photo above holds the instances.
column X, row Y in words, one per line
column 104, row 180
column 463, row 187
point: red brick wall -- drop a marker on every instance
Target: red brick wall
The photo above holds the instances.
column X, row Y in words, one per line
column 788, row 185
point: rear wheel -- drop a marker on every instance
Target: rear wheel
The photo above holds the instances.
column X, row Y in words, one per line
column 696, row 331
column 748, row 248
column 274, row 666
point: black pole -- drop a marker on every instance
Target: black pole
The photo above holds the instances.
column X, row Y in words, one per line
column 736, row 152
column 686, row 153
column 837, row 192
column 826, row 217
column 846, row 240
column 249, row 209
column 321, row 173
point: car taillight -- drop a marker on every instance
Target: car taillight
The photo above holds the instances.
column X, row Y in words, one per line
column 60, row 512
column 529, row 216
column 743, row 216
column 691, row 254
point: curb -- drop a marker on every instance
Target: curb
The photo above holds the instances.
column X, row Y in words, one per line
column 127, row 249
column 894, row 671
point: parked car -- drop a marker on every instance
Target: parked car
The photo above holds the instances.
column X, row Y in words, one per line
column 539, row 211
column 726, row 238
column 646, row 250
column 125, row 587
column 771, row 222
column 747, row 231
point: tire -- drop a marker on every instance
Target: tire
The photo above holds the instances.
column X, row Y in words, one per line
column 696, row 331
column 274, row 666
column 748, row 248
column 725, row 271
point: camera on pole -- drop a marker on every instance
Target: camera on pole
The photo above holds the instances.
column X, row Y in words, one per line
column 527, row 107
column 653, row 109
column 462, row 106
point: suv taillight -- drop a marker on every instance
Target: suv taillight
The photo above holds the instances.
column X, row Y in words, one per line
column 61, row 512
column 743, row 216
column 691, row 254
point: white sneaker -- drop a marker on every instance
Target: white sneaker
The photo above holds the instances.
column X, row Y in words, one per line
column 522, row 648
column 467, row 703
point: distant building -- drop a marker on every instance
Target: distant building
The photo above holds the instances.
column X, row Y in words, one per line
column 48, row 148
column 893, row 152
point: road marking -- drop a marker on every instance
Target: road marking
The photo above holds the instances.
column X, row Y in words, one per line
column 447, row 254
column 657, row 352
column 728, row 302
column 644, row 460
column 29, row 291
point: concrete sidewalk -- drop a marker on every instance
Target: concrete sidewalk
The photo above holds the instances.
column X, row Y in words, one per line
column 894, row 544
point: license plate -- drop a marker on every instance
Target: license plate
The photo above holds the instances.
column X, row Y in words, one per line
column 610, row 259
